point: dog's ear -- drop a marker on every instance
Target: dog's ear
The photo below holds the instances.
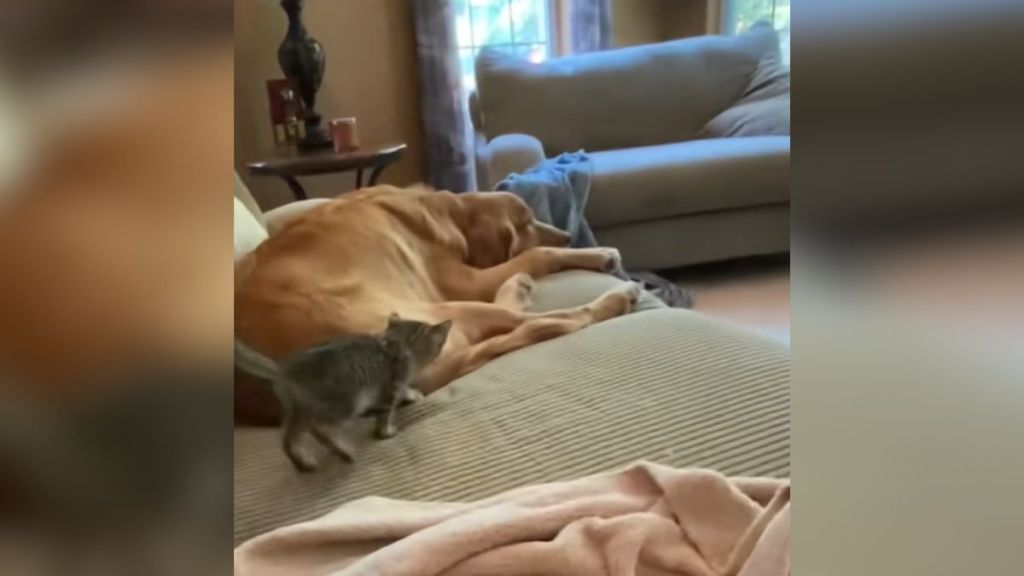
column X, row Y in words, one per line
column 442, row 216
column 491, row 242
column 491, row 238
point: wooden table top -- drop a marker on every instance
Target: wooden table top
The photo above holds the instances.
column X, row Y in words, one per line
column 292, row 162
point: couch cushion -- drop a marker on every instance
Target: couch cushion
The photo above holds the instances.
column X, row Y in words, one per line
column 695, row 238
column 653, row 182
column 634, row 96
column 670, row 386
column 577, row 287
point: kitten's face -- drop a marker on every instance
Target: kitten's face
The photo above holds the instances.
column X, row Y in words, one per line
column 425, row 341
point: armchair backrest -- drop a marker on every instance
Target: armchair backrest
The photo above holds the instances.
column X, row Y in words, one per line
column 636, row 96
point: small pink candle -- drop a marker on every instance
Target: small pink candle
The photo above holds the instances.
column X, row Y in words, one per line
column 344, row 134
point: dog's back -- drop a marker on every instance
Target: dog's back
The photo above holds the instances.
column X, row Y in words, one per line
column 341, row 268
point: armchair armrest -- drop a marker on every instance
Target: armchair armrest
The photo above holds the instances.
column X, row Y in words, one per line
column 506, row 154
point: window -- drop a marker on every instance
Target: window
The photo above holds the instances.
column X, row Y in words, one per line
column 521, row 27
column 742, row 14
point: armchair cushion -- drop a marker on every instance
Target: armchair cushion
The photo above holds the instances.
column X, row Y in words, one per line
column 669, row 180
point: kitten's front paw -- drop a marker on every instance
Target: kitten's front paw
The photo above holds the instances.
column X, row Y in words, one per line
column 410, row 395
column 345, row 455
column 386, row 432
column 303, row 463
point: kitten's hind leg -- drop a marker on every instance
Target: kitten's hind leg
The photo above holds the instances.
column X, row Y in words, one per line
column 333, row 446
column 295, row 426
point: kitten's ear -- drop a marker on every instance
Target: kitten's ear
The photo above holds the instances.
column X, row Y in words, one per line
column 393, row 319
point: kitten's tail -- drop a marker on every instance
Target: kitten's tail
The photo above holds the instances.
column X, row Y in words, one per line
column 255, row 363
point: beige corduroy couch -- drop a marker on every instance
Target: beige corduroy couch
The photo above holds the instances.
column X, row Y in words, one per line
column 660, row 384
column 664, row 191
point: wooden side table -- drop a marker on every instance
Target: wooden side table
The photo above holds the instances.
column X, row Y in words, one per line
column 289, row 164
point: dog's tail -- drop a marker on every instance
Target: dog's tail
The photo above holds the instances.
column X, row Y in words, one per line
column 255, row 363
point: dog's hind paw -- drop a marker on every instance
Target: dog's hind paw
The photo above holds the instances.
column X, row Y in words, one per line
column 634, row 291
column 517, row 292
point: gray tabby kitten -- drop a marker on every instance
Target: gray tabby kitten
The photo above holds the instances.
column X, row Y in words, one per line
column 346, row 378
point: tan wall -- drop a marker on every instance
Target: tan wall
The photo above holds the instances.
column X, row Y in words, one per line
column 646, row 21
column 371, row 74
column 635, row 22
column 684, row 18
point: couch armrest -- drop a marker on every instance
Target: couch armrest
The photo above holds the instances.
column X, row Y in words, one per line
column 281, row 215
column 506, row 154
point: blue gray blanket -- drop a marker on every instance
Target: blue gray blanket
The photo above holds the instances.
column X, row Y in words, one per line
column 556, row 190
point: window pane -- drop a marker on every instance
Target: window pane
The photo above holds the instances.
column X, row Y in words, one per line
column 782, row 25
column 744, row 13
column 535, row 52
column 781, row 14
column 492, row 22
column 529, row 20
column 462, row 26
column 508, row 49
column 466, row 60
column 740, row 15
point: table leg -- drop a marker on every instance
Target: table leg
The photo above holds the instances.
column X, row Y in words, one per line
column 375, row 174
column 359, row 178
column 300, row 193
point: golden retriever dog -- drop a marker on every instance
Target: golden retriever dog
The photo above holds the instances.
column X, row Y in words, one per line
column 344, row 266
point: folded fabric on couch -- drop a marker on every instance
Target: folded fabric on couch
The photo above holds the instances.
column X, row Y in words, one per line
column 643, row 519
column 556, row 190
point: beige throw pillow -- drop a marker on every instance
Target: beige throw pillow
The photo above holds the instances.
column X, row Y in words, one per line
column 248, row 231
column 762, row 110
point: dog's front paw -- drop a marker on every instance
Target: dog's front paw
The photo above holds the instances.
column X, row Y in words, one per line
column 613, row 259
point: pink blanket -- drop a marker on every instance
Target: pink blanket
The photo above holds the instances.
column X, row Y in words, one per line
column 645, row 520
